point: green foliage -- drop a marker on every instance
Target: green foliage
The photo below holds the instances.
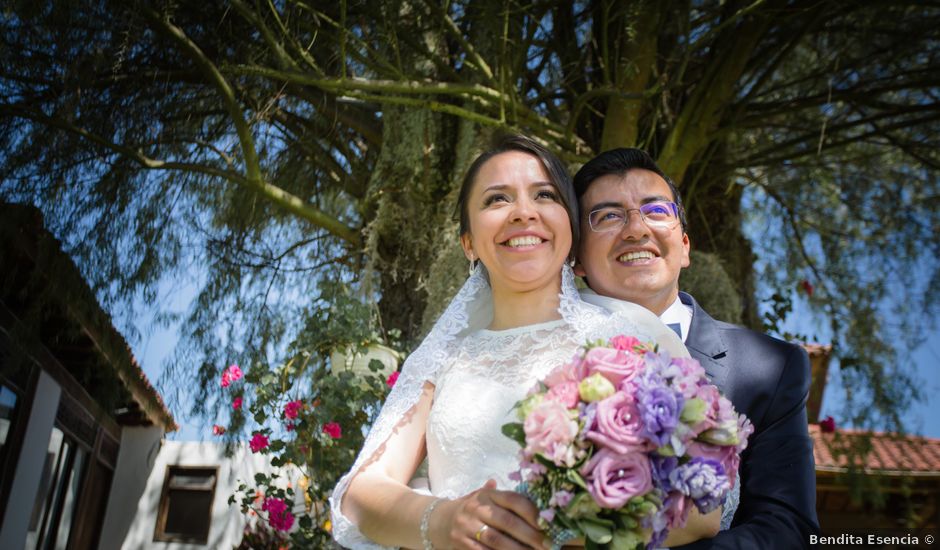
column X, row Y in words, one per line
column 713, row 289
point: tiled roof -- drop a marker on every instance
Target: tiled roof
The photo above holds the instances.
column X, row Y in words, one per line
column 29, row 233
column 887, row 454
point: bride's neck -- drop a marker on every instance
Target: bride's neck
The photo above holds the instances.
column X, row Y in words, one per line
column 513, row 309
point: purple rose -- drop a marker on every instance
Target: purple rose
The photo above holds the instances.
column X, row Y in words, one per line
column 613, row 364
column 614, row 479
column 618, row 425
column 704, row 481
column 660, row 407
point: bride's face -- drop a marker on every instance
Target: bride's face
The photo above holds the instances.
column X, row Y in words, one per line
column 519, row 227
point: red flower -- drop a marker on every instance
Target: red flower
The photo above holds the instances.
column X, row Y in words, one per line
column 292, row 409
column 231, row 374
column 333, row 430
column 290, row 426
column 258, row 442
column 237, row 402
column 807, row 287
column 624, row 343
column 217, row 430
column 392, row 378
column 827, row 425
column 278, row 515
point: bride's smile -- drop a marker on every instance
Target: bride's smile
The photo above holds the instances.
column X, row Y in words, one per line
column 519, row 227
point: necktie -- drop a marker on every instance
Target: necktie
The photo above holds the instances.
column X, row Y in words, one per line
column 676, row 327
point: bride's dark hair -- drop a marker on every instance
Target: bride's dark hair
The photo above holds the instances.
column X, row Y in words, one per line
column 557, row 174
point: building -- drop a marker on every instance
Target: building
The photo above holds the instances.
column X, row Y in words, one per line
column 869, row 480
column 74, row 404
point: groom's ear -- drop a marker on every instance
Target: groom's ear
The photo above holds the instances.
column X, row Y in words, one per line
column 579, row 269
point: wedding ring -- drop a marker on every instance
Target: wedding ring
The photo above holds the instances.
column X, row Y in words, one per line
column 480, row 532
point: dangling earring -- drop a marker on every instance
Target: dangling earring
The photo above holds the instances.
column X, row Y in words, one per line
column 472, row 265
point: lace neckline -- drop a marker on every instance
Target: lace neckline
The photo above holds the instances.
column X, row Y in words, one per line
column 524, row 329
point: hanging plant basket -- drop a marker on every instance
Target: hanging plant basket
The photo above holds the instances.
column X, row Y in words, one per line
column 357, row 362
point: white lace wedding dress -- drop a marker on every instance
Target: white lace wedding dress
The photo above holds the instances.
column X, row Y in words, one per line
column 478, row 375
column 474, row 396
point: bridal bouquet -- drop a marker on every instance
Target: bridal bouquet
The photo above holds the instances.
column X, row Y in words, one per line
column 620, row 442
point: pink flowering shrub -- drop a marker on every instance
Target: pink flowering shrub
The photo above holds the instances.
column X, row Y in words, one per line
column 307, row 422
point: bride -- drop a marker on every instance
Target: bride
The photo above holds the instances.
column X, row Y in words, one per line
column 515, row 319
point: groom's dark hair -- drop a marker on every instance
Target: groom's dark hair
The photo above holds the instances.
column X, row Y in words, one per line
column 618, row 162
column 557, row 174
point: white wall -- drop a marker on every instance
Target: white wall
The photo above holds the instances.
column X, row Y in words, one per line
column 228, row 522
column 139, row 450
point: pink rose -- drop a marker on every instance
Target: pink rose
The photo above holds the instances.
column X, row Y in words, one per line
column 613, row 364
column 569, row 372
column 237, row 403
column 624, row 343
column 565, row 393
column 231, row 374
column 292, row 409
column 258, row 442
column 614, row 479
column 217, row 430
column 550, row 430
column 333, row 430
column 392, row 378
column 618, row 425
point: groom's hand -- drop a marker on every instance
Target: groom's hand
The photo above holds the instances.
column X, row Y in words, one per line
column 490, row 518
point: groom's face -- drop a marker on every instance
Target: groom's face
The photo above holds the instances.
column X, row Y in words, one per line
column 636, row 263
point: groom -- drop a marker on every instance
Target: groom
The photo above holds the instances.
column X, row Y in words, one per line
column 633, row 245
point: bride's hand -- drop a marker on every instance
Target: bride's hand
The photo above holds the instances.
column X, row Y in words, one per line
column 511, row 521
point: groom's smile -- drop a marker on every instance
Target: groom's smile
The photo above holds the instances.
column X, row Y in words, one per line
column 635, row 262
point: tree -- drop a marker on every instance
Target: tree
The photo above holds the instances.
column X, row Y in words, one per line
column 256, row 150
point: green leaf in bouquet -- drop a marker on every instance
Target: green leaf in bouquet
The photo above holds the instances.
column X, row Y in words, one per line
column 726, row 434
column 627, row 520
column 596, row 529
column 666, row 450
column 525, row 406
column 573, row 476
column 627, row 540
column 514, row 431
column 582, row 505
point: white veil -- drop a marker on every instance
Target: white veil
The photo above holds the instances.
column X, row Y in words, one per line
column 469, row 311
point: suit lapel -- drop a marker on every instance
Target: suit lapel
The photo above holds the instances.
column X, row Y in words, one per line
column 705, row 342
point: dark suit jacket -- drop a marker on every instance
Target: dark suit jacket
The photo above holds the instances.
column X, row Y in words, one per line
column 768, row 380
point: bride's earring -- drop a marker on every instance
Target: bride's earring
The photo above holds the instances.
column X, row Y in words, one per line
column 472, row 265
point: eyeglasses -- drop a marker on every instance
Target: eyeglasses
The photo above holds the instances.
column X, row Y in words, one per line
column 659, row 214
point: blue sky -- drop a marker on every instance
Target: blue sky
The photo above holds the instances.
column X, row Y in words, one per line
column 156, row 344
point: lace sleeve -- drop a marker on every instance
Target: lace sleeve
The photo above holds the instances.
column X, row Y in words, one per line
column 420, row 367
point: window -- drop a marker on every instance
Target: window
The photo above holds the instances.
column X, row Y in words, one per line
column 54, row 507
column 185, row 512
column 8, row 399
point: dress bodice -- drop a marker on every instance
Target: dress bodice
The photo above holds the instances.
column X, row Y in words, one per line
column 474, row 396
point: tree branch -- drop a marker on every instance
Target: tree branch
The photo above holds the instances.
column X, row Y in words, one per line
column 282, row 198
